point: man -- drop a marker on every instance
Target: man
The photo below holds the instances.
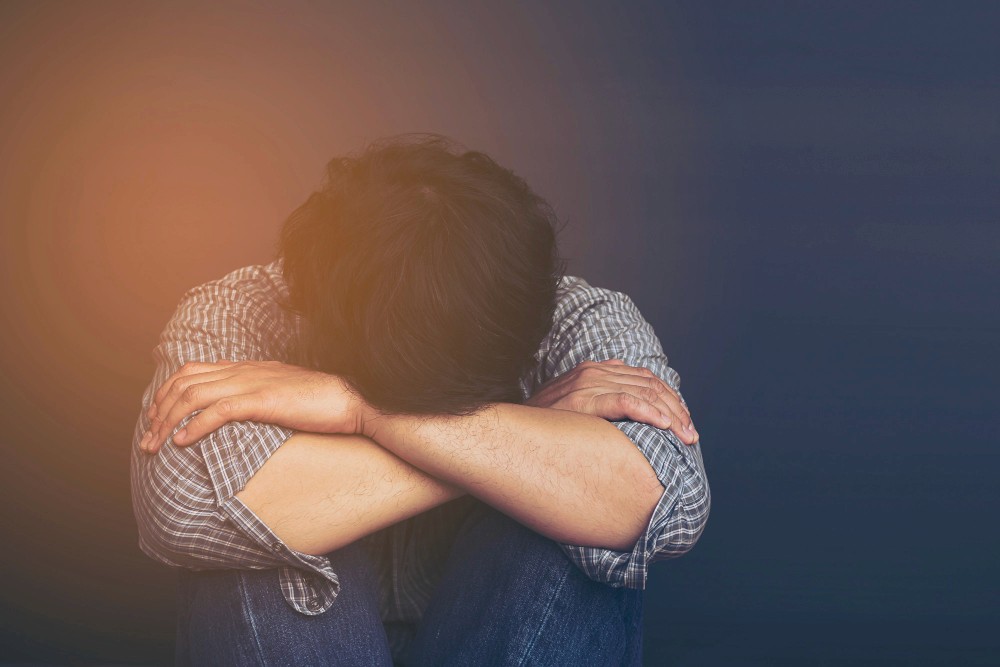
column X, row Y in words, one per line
column 411, row 438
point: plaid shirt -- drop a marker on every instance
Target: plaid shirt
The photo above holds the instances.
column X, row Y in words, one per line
column 183, row 497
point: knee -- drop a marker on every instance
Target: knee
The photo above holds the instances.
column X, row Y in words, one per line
column 241, row 617
column 514, row 592
column 506, row 551
column 212, row 618
column 505, row 544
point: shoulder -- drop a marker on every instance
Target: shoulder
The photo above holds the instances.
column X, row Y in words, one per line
column 255, row 281
column 577, row 301
column 576, row 288
column 586, row 315
column 244, row 312
column 252, row 293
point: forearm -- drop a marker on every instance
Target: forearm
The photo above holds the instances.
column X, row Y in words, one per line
column 573, row 477
column 321, row 492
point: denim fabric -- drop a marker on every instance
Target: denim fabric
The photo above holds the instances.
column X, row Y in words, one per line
column 509, row 596
column 240, row 617
column 184, row 497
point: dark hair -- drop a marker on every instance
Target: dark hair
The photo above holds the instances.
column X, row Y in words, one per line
column 425, row 276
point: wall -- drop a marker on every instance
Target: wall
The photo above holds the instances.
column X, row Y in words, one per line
column 802, row 200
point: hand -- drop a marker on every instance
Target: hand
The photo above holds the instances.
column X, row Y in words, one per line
column 265, row 391
column 613, row 390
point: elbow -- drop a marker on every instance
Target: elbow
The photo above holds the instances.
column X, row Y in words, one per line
column 182, row 540
column 689, row 518
column 643, row 508
column 171, row 531
column 630, row 512
column 161, row 536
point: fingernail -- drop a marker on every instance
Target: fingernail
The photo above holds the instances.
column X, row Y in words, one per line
column 180, row 435
column 143, row 444
column 152, row 411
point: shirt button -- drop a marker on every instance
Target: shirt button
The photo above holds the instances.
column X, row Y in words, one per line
column 313, row 604
column 276, row 546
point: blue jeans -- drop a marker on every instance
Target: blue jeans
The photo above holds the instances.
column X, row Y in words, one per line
column 509, row 596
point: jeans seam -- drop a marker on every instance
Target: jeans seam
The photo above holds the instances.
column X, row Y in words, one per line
column 248, row 616
column 545, row 615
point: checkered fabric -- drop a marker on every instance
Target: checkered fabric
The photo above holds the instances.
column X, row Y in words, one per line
column 184, row 497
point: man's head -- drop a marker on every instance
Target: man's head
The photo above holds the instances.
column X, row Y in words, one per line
column 426, row 276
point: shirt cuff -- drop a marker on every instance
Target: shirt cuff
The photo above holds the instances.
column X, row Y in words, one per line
column 308, row 583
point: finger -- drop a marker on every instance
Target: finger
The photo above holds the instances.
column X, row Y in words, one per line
column 655, row 381
column 680, row 421
column 668, row 400
column 166, row 415
column 683, row 427
column 669, row 416
column 180, row 384
column 613, row 362
column 558, row 387
column 197, row 396
column 223, row 411
column 647, row 386
column 187, row 369
column 627, row 405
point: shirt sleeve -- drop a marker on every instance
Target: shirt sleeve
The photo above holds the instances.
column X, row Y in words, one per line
column 598, row 324
column 183, row 497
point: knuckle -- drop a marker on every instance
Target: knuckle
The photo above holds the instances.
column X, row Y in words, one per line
column 648, row 394
column 178, row 388
column 627, row 400
column 226, row 406
column 190, row 394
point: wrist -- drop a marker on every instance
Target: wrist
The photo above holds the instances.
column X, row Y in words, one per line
column 369, row 420
column 374, row 421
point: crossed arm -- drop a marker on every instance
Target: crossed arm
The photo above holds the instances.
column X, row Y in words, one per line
column 350, row 471
column 555, row 463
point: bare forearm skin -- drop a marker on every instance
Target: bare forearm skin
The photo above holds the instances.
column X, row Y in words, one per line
column 321, row 492
column 573, row 477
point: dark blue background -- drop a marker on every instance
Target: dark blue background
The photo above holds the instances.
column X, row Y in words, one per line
column 801, row 197
column 831, row 305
